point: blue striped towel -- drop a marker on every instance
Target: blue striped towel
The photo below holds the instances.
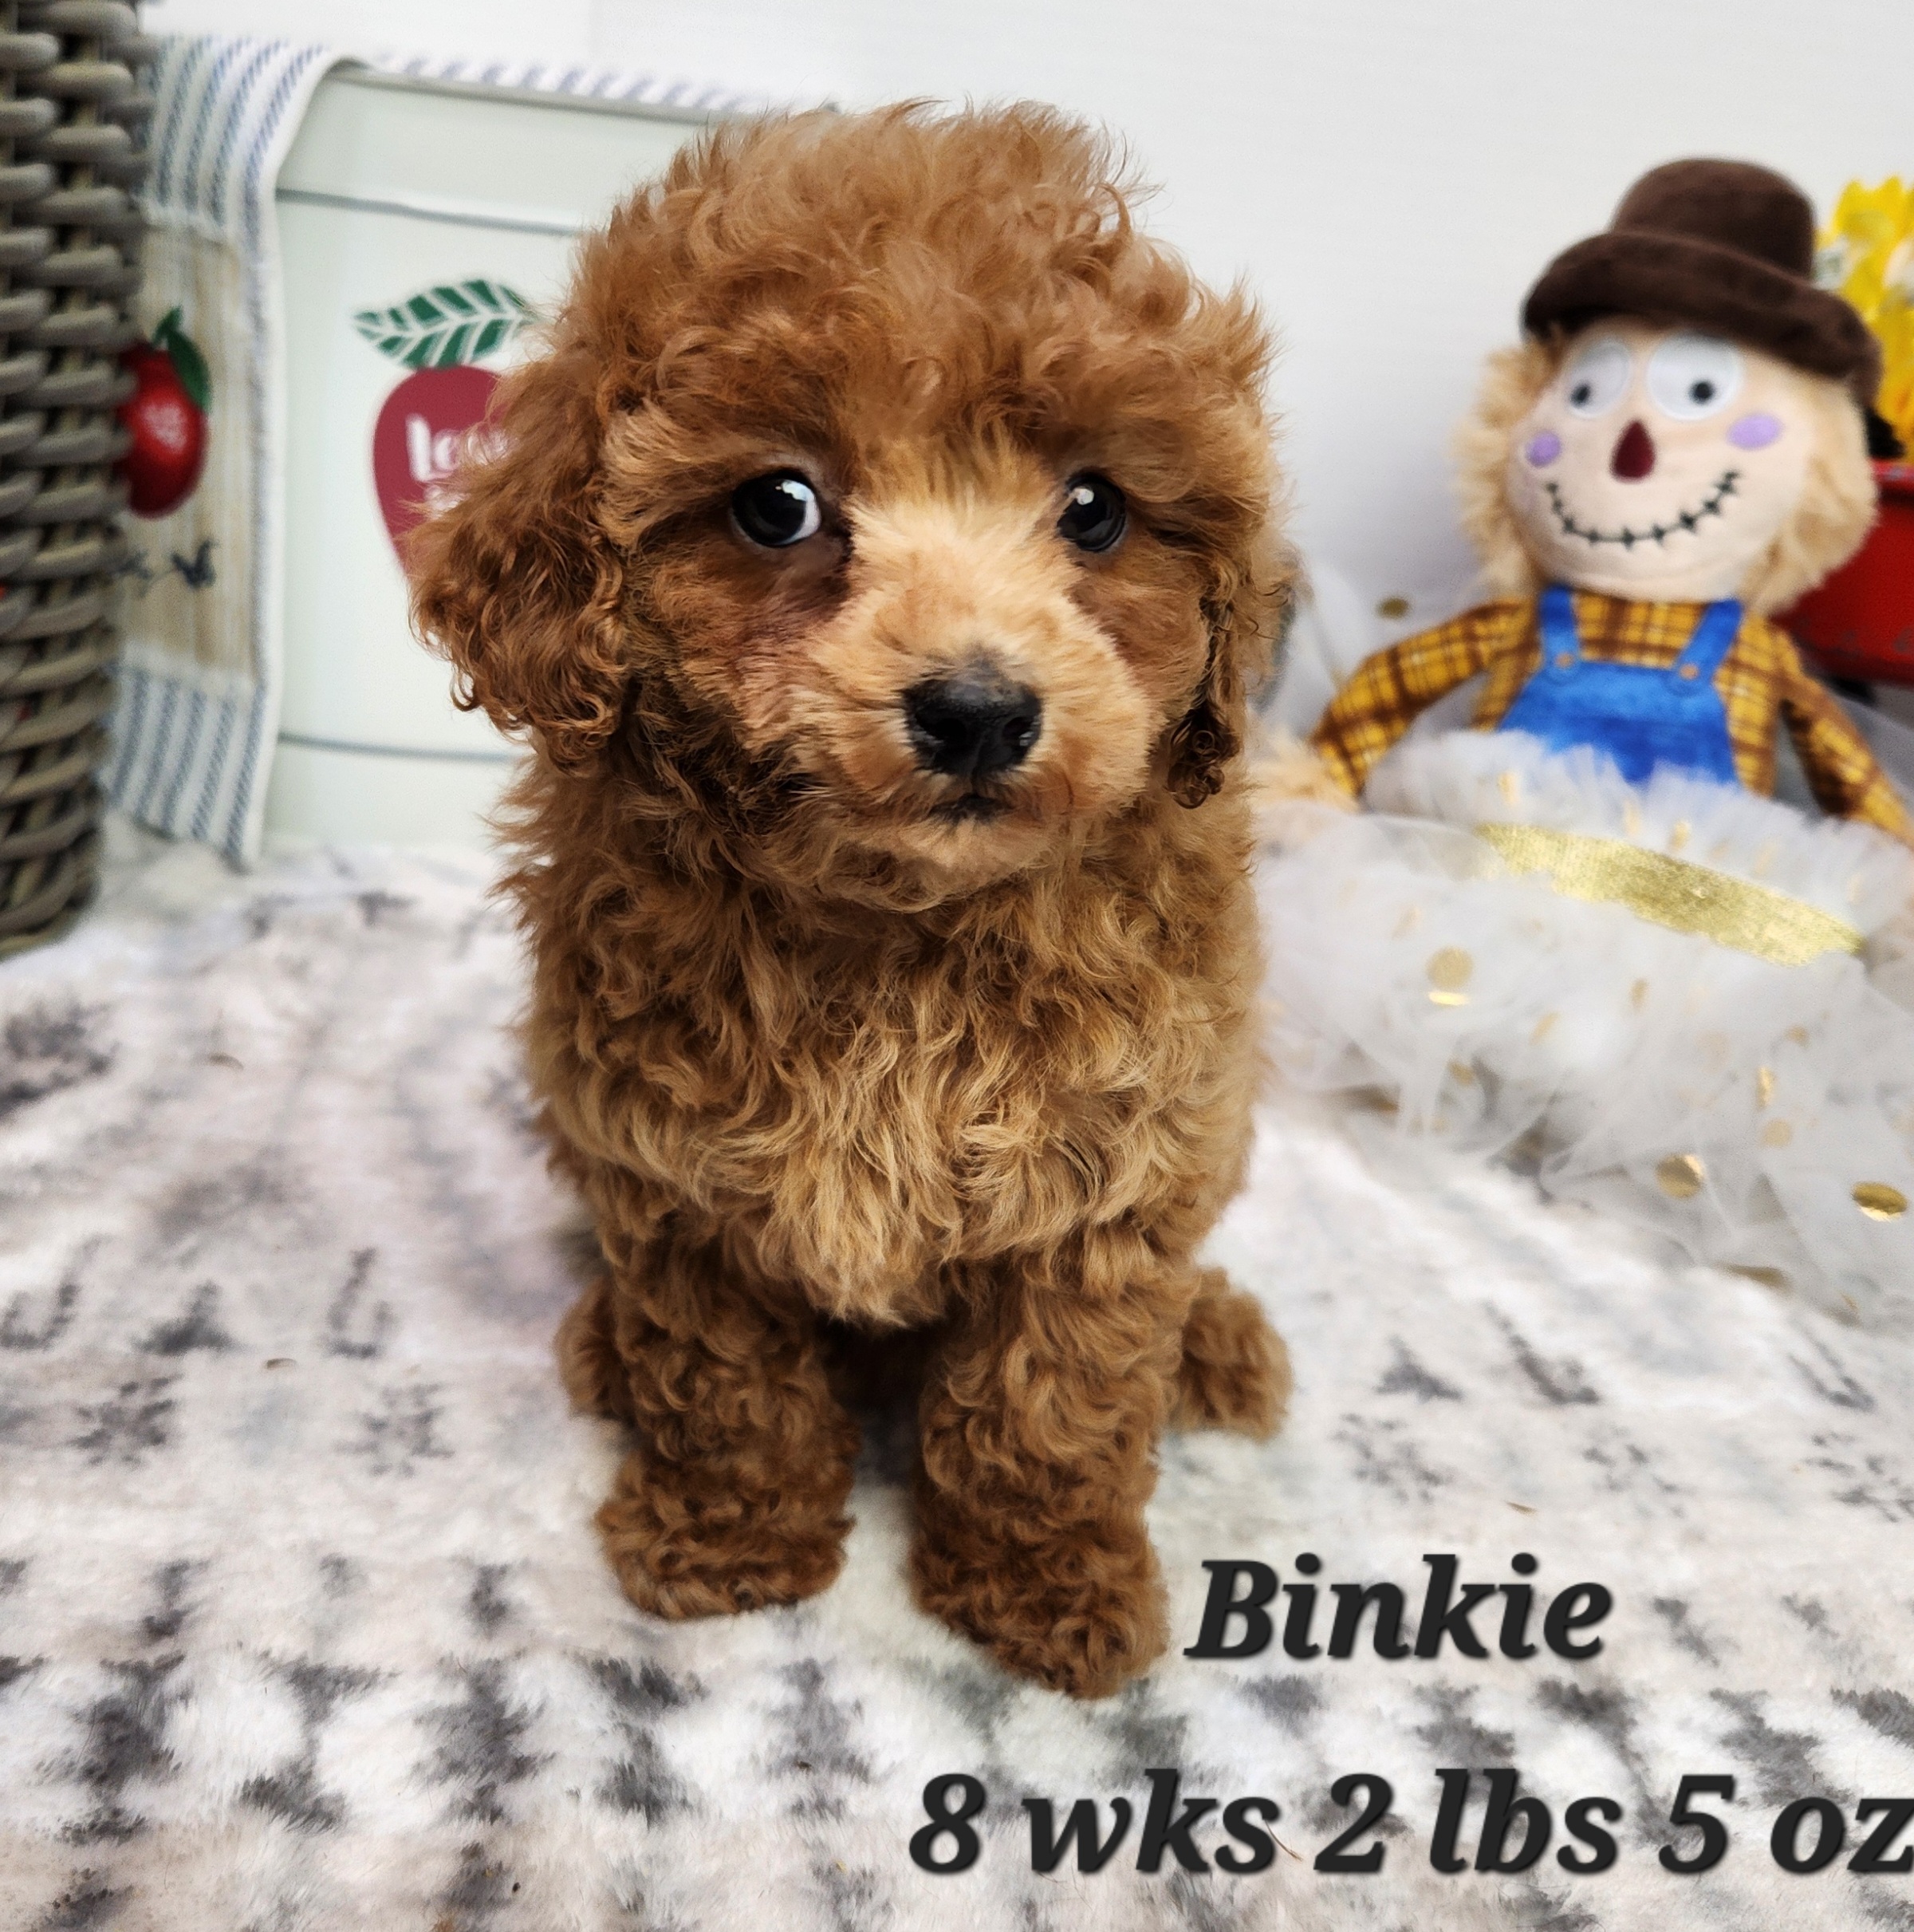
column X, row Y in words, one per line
column 199, row 686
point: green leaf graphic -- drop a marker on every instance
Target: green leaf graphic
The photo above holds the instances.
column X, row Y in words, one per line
column 190, row 364
column 451, row 323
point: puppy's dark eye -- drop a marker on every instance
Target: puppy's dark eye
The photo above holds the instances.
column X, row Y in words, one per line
column 777, row 511
column 1093, row 515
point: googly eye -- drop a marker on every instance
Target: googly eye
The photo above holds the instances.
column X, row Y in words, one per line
column 1592, row 383
column 1094, row 515
column 1690, row 377
column 777, row 511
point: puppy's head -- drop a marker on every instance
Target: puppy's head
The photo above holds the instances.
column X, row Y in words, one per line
column 885, row 503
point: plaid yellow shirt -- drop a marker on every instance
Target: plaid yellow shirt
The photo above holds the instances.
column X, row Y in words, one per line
column 1762, row 683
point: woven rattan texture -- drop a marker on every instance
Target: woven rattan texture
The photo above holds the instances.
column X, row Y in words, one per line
column 73, row 118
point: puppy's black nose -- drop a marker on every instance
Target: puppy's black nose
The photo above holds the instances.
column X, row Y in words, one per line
column 972, row 726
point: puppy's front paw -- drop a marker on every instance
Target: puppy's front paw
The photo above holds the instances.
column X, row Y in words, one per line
column 687, row 1548
column 1079, row 1616
column 1235, row 1373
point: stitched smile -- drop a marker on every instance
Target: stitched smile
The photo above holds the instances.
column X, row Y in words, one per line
column 1690, row 520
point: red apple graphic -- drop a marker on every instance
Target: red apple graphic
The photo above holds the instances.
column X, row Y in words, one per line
column 166, row 414
column 419, row 436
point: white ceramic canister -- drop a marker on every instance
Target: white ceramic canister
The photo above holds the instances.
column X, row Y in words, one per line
column 423, row 225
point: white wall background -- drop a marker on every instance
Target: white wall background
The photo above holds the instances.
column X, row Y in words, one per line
column 1389, row 175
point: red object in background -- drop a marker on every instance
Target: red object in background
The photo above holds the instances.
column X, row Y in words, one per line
column 418, row 437
column 1860, row 622
column 166, row 417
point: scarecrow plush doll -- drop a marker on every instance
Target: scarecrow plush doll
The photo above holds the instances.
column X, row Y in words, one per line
column 1583, row 932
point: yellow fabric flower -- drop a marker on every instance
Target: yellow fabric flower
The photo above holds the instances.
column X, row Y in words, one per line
column 1866, row 254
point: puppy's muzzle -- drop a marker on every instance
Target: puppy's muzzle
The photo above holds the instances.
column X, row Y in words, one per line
column 973, row 726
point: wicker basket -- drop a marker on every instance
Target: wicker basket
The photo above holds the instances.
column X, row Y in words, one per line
column 73, row 118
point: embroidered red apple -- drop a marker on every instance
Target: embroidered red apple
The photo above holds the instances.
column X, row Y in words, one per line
column 165, row 417
column 417, row 439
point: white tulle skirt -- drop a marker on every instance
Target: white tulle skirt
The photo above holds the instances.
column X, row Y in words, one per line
column 1760, row 1116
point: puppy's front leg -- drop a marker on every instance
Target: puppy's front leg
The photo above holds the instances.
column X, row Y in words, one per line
column 734, row 1497
column 1039, row 1425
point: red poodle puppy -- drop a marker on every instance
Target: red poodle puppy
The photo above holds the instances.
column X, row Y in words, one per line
column 875, row 562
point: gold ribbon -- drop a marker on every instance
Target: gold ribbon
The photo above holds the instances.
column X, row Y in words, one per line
column 1672, row 893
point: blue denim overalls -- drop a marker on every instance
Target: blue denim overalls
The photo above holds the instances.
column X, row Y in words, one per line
column 1641, row 718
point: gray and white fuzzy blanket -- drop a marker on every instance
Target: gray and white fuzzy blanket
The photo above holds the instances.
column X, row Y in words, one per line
column 303, row 1624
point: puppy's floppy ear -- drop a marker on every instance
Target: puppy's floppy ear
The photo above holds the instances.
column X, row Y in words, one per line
column 513, row 579
column 1205, row 739
column 1245, row 609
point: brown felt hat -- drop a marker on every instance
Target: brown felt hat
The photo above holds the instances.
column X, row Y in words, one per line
column 1723, row 246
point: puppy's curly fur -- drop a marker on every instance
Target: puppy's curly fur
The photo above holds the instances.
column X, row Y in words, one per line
column 832, row 1041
